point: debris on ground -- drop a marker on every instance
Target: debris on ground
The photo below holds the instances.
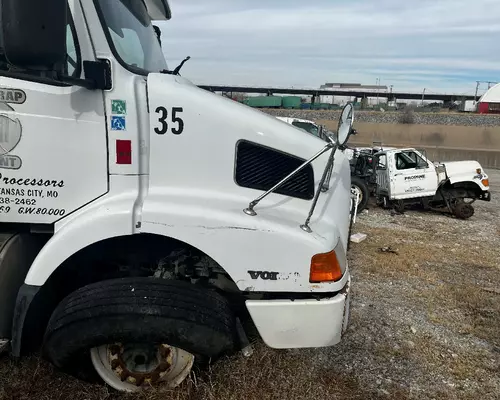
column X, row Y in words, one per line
column 358, row 237
column 388, row 249
column 492, row 290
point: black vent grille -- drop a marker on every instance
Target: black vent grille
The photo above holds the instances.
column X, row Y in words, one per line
column 259, row 167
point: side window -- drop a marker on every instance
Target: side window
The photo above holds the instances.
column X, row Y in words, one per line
column 409, row 159
column 128, row 46
column 306, row 127
column 73, row 65
column 73, row 58
column 382, row 162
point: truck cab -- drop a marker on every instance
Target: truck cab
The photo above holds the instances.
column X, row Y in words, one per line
column 144, row 220
column 304, row 124
column 407, row 176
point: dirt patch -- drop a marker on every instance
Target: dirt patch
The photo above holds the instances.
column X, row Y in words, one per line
column 424, row 325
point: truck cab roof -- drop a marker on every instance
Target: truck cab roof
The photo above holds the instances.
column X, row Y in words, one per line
column 390, row 150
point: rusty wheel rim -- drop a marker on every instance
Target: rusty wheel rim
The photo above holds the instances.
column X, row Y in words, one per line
column 355, row 190
column 137, row 366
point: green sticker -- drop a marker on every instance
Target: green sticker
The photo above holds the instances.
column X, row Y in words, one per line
column 118, row 107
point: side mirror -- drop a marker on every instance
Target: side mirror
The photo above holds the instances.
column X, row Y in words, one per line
column 34, row 33
column 345, row 124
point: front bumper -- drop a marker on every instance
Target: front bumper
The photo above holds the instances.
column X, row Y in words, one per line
column 285, row 324
column 485, row 195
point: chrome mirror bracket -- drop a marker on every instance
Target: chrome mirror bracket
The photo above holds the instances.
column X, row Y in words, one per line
column 249, row 210
column 306, row 228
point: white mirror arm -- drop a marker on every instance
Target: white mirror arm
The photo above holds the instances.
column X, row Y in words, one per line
column 305, row 226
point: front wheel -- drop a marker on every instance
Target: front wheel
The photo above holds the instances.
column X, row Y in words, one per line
column 463, row 210
column 139, row 332
column 359, row 187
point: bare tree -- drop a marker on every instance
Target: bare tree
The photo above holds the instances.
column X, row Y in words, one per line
column 407, row 116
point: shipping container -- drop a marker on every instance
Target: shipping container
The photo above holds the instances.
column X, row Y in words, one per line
column 291, row 102
column 264, row 102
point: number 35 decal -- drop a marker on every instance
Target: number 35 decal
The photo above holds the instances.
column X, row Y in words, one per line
column 162, row 119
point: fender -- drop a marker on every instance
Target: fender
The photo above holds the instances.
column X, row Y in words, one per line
column 219, row 228
column 104, row 219
column 232, row 246
column 466, row 178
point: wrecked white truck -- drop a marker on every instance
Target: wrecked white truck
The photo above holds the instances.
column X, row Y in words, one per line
column 405, row 177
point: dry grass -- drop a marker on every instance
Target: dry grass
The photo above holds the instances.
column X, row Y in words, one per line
column 266, row 375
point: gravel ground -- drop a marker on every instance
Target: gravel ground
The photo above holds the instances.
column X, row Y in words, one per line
column 393, row 117
column 424, row 325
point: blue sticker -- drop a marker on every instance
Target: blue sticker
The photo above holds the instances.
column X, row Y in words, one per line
column 118, row 123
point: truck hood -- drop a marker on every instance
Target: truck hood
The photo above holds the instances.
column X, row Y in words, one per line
column 194, row 197
column 460, row 168
column 214, row 125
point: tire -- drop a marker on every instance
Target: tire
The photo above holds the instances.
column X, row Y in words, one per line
column 362, row 187
column 384, row 202
column 399, row 207
column 463, row 210
column 139, row 310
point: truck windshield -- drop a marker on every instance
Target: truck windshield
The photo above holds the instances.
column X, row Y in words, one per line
column 131, row 35
column 308, row 127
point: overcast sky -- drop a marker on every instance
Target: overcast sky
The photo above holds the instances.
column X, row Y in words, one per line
column 442, row 45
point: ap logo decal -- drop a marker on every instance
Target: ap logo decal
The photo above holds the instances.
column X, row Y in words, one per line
column 10, row 136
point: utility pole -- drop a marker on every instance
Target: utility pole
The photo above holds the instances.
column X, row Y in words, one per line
column 378, row 90
column 478, row 83
column 423, row 95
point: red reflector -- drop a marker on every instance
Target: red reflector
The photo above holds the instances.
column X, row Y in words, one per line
column 124, row 152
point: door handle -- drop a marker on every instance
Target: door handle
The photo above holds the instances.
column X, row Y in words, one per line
column 397, row 174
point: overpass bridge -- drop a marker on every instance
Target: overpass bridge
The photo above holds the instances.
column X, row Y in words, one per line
column 447, row 98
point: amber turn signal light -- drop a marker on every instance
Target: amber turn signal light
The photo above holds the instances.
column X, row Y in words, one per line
column 485, row 182
column 325, row 268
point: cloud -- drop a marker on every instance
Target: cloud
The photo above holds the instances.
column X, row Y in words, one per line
column 305, row 44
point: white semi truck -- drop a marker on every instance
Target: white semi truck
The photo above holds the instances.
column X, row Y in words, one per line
column 142, row 219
